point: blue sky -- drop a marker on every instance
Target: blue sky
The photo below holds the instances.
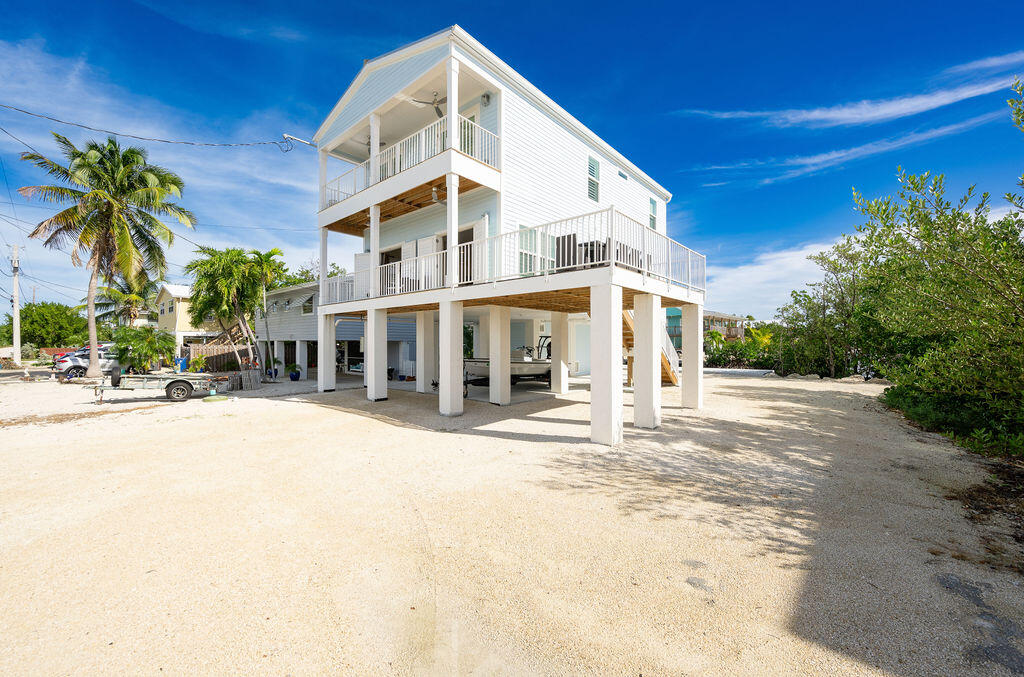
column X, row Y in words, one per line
column 759, row 118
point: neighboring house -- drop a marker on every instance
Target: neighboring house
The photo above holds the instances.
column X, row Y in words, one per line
column 172, row 316
column 291, row 316
column 476, row 199
column 731, row 327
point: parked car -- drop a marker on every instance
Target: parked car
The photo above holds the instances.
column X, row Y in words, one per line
column 101, row 345
column 74, row 365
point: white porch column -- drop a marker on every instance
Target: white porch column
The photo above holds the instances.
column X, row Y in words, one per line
column 691, row 377
column 482, row 347
column 499, row 327
column 560, row 353
column 647, row 360
column 452, row 218
column 322, row 155
column 426, row 349
column 326, row 375
column 606, row 364
column 376, row 354
column 374, row 147
column 323, row 264
column 279, row 355
column 301, row 359
column 450, row 381
column 452, row 72
column 374, row 249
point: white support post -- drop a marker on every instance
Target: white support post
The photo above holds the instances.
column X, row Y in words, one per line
column 499, row 327
column 482, row 347
column 426, row 350
column 301, row 359
column 279, row 356
column 323, row 178
column 450, row 386
column 326, row 371
column 375, row 249
column 691, row 376
column 606, row 364
column 323, row 264
column 452, row 222
column 646, row 361
column 560, row 353
column 374, row 148
column 376, row 352
column 452, row 72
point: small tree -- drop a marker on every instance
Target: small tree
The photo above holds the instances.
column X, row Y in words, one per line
column 142, row 347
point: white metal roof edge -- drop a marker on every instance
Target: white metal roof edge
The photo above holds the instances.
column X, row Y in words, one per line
column 476, row 48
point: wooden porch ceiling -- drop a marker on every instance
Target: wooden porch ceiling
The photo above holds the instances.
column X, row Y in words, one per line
column 560, row 301
column 409, row 201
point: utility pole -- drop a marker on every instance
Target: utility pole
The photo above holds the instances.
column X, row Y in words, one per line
column 16, row 321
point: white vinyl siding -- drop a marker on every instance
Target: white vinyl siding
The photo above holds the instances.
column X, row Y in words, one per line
column 431, row 220
column 546, row 172
column 380, row 85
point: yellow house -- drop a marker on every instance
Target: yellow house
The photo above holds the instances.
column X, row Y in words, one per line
column 172, row 308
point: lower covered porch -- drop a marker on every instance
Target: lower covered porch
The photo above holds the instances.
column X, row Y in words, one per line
column 624, row 346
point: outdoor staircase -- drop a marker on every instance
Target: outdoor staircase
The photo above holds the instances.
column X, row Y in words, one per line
column 669, row 375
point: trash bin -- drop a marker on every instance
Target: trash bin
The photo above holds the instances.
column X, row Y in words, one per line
column 180, row 364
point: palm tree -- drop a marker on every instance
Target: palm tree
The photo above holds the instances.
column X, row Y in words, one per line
column 268, row 271
column 113, row 199
column 126, row 299
column 225, row 288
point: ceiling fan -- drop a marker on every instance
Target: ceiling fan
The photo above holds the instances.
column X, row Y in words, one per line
column 436, row 103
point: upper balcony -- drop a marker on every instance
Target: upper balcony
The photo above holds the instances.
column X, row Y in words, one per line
column 430, row 141
column 606, row 238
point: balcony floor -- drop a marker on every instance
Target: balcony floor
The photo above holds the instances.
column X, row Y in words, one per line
column 409, row 201
column 575, row 300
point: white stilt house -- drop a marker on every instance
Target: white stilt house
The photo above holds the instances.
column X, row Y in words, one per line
column 477, row 197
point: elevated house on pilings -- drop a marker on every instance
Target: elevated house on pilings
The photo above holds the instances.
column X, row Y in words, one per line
column 475, row 195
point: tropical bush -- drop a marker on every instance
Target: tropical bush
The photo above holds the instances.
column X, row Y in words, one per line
column 197, row 364
column 29, row 351
column 142, row 348
column 930, row 294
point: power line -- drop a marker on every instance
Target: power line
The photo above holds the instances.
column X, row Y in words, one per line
column 19, row 140
column 284, row 145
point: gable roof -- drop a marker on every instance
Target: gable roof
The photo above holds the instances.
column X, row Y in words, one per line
column 291, row 289
column 458, row 36
column 178, row 291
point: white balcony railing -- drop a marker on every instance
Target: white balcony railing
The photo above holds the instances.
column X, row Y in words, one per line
column 602, row 238
column 477, row 142
column 474, row 141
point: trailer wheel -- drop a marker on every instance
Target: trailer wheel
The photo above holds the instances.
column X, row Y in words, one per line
column 179, row 391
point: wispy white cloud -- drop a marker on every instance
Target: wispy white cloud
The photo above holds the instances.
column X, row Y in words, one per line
column 805, row 165
column 861, row 112
column 1000, row 62
column 249, row 187
column 759, row 287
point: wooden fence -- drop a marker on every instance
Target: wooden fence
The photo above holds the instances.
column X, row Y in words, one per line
column 219, row 356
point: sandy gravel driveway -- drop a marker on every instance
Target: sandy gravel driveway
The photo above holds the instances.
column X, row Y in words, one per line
column 788, row 528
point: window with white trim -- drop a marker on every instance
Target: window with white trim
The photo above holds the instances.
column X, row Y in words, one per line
column 273, row 307
column 654, row 214
column 593, row 179
column 170, row 306
column 307, row 306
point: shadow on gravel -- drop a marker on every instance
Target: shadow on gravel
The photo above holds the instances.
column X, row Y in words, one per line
column 818, row 484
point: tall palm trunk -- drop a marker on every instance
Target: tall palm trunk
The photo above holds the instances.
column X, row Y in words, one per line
column 94, row 354
column 266, row 322
column 231, row 340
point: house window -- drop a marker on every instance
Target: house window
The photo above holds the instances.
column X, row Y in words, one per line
column 593, row 179
column 307, row 306
column 287, row 304
column 654, row 214
column 161, row 309
column 273, row 307
column 170, row 307
column 622, row 174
